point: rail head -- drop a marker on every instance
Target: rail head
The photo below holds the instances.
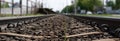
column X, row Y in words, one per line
column 103, row 20
column 7, row 20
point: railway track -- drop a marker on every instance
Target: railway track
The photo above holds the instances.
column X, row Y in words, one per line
column 106, row 24
column 55, row 28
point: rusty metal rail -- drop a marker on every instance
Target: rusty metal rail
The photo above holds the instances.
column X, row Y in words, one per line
column 107, row 24
column 11, row 20
column 78, row 33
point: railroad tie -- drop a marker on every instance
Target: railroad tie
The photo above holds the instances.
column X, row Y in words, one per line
column 32, row 36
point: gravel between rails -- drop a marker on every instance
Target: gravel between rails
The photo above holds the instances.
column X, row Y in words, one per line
column 55, row 28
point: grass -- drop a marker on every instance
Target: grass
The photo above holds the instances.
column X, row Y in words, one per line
column 100, row 15
column 94, row 14
column 10, row 15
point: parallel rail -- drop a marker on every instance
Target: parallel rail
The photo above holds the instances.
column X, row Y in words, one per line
column 11, row 20
column 110, row 25
column 107, row 24
column 103, row 23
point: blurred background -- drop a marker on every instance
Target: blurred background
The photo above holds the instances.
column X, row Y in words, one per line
column 23, row 7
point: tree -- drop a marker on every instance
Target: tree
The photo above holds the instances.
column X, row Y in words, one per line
column 5, row 5
column 88, row 5
column 110, row 3
column 117, row 4
column 67, row 9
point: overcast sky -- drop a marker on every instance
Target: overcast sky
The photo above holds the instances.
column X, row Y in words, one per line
column 54, row 4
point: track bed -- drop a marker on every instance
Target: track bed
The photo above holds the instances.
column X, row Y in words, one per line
column 55, row 28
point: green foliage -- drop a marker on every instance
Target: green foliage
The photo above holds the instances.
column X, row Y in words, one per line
column 117, row 4
column 110, row 3
column 5, row 5
column 68, row 9
column 88, row 5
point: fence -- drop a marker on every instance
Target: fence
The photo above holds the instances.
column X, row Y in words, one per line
column 16, row 11
column 21, row 9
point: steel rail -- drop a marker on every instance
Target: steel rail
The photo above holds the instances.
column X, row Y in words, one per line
column 107, row 24
column 11, row 20
column 102, row 20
